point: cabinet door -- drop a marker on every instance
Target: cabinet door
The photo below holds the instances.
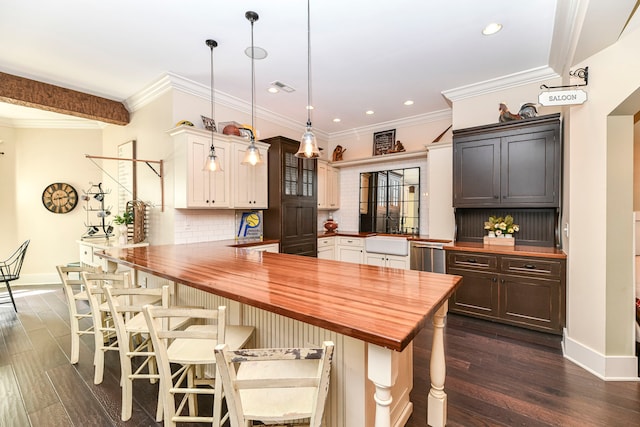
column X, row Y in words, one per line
column 376, row 259
column 478, row 294
column 299, row 229
column 207, row 189
column 326, row 252
column 350, row 254
column 476, row 172
column 397, row 261
column 323, row 182
column 529, row 173
column 333, row 188
column 531, row 302
column 250, row 182
column 299, row 176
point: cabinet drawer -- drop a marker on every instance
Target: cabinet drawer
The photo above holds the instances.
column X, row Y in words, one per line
column 86, row 255
column 324, row 242
column 351, row 241
column 531, row 266
column 471, row 260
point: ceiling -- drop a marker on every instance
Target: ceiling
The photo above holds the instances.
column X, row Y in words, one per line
column 365, row 55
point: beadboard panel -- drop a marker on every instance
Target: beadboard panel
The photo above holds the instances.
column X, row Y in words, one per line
column 273, row 331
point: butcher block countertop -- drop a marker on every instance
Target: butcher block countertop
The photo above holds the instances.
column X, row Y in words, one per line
column 520, row 250
column 383, row 306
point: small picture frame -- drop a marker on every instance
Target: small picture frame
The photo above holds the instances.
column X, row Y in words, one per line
column 209, row 124
column 383, row 142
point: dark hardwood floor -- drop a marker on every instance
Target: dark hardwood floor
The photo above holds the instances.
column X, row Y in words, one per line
column 496, row 376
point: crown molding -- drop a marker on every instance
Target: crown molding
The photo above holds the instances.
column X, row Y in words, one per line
column 404, row 122
column 53, row 123
column 171, row 81
column 533, row 75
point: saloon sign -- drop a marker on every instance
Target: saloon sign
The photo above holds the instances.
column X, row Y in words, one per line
column 562, row 97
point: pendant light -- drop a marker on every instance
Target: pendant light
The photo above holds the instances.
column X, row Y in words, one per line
column 212, row 164
column 252, row 155
column 308, row 145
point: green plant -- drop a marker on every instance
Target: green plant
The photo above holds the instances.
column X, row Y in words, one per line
column 501, row 225
column 125, row 218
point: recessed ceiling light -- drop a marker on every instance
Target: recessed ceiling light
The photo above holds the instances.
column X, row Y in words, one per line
column 258, row 52
column 282, row 86
column 370, row 112
column 336, row 120
column 492, row 28
column 273, row 90
column 408, row 102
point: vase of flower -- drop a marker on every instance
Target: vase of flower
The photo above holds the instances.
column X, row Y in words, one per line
column 492, row 233
column 123, row 221
column 508, row 236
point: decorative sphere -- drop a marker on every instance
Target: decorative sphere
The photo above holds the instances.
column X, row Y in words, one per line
column 231, row 130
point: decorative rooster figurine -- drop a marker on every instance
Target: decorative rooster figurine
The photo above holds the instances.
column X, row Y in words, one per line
column 527, row 111
column 506, row 115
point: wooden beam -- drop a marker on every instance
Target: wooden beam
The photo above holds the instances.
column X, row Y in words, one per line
column 31, row 93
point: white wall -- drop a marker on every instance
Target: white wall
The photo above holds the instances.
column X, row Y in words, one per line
column 34, row 159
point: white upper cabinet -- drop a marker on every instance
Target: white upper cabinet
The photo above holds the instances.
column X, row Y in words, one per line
column 251, row 183
column 237, row 186
column 328, row 186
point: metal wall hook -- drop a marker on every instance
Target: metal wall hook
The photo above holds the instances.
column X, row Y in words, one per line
column 581, row 73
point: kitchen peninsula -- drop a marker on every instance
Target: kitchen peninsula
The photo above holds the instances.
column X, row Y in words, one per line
column 371, row 313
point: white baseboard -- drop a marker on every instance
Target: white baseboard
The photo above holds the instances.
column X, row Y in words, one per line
column 608, row 368
column 37, row 279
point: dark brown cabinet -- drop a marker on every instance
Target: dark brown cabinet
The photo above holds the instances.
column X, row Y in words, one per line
column 292, row 215
column 510, row 165
column 518, row 290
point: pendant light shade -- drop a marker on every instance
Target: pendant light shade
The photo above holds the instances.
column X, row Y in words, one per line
column 212, row 163
column 252, row 155
column 308, row 145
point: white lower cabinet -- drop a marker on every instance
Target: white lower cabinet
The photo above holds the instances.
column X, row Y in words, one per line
column 385, row 260
column 350, row 249
column 270, row 247
column 327, row 248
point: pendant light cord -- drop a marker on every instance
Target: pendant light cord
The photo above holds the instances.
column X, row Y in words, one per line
column 253, row 85
column 309, row 106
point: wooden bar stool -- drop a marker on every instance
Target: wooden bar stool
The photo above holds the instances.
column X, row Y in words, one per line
column 72, row 284
column 105, row 338
column 134, row 340
column 275, row 385
column 191, row 349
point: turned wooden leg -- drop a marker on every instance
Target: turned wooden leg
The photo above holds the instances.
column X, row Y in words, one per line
column 437, row 401
column 383, row 373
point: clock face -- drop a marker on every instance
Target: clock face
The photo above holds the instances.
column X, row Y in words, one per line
column 59, row 197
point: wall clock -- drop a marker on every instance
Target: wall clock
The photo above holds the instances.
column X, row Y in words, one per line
column 59, row 197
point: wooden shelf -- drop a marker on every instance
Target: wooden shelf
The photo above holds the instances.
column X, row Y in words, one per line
column 407, row 155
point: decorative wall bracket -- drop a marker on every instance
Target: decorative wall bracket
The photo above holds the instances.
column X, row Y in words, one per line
column 147, row 162
column 581, row 73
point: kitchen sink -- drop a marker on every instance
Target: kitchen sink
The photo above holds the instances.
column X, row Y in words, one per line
column 387, row 245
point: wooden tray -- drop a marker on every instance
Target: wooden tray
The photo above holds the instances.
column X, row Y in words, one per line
column 499, row 241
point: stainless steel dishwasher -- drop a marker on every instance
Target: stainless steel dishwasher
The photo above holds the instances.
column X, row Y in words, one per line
column 427, row 256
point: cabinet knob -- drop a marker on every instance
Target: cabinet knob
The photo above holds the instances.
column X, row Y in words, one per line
column 472, row 260
column 530, row 266
column 494, row 280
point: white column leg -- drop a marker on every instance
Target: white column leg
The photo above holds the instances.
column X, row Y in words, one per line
column 437, row 401
column 383, row 373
